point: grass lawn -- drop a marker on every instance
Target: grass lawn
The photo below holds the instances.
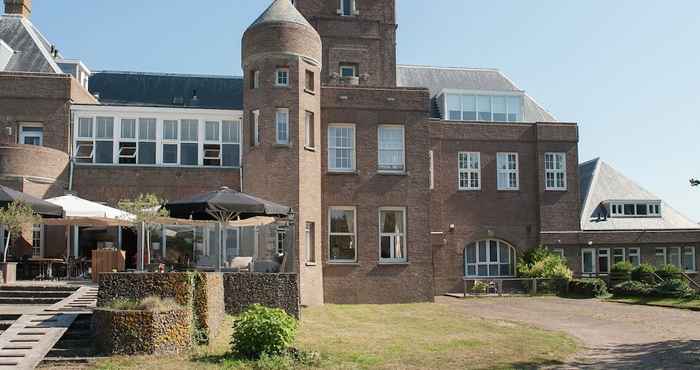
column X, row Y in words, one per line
column 689, row 304
column 415, row 336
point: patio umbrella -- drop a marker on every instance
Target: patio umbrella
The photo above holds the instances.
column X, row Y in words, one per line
column 78, row 207
column 41, row 207
column 210, row 205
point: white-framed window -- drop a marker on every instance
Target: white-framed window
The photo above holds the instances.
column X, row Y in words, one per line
column 635, row 208
column 347, row 8
column 212, row 143
column 255, row 132
column 604, row 261
column 280, row 237
column 469, row 170
column 348, row 70
column 469, row 107
column 104, row 140
column 674, row 256
column 282, row 126
column 555, row 171
column 618, row 255
column 588, row 261
column 559, row 252
column 128, row 139
column 254, row 79
column 310, row 242
column 282, row 77
column 31, row 134
column 37, row 241
column 341, row 148
column 147, row 144
column 391, row 148
column 128, row 148
column 309, row 130
column 392, row 235
column 489, row 258
column 341, row 234
column 171, row 142
column 189, row 139
column 633, row 256
column 689, row 259
column 660, row 257
column 508, row 171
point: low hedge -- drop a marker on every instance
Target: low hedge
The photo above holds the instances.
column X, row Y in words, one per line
column 672, row 288
column 632, row 289
column 591, row 288
column 644, row 273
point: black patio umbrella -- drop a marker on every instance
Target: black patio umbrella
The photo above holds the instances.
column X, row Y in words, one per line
column 42, row 208
column 209, row 206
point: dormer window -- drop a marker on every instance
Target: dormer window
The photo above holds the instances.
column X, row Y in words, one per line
column 635, row 209
column 489, row 108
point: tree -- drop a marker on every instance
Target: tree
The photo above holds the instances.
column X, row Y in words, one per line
column 14, row 217
column 147, row 209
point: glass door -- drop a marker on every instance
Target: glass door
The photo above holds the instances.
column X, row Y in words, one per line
column 588, row 262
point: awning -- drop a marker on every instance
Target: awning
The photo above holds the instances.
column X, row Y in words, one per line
column 203, row 206
column 75, row 207
column 86, row 221
column 41, row 207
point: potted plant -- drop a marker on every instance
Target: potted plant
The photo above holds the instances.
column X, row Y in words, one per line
column 14, row 218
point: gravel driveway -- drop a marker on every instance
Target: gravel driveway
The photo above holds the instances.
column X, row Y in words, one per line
column 615, row 336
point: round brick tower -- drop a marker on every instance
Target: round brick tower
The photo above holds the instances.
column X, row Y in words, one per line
column 281, row 56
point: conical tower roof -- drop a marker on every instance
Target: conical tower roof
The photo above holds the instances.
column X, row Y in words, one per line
column 281, row 11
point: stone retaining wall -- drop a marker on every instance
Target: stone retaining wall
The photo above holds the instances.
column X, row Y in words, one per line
column 202, row 293
column 272, row 290
column 142, row 332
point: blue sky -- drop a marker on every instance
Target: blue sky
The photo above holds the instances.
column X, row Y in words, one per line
column 625, row 70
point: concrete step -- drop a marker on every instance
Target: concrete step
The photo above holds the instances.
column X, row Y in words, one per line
column 28, row 300
column 35, row 293
column 39, row 288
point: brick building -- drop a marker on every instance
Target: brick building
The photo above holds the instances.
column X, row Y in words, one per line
column 405, row 179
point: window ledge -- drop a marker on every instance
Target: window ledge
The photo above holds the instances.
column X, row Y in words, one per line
column 340, row 173
column 155, row 166
column 468, row 190
column 281, row 86
column 282, row 146
column 508, row 190
column 311, row 149
column 556, row 190
column 310, row 92
column 393, row 173
column 390, row 263
column 350, row 264
column 311, row 264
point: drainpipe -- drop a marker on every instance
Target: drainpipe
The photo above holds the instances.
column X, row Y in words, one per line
column 70, row 151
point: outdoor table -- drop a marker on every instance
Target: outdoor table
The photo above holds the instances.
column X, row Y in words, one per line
column 48, row 263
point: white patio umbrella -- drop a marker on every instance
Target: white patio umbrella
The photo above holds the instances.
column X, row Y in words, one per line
column 81, row 208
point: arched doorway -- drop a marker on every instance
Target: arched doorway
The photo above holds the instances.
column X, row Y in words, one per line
column 489, row 258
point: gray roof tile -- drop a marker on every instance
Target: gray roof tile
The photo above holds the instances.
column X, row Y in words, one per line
column 32, row 52
column 281, row 11
column 600, row 183
column 168, row 90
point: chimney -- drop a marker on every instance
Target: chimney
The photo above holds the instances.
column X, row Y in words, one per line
column 19, row 7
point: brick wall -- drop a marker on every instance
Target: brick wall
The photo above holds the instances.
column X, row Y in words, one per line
column 368, row 281
column 113, row 183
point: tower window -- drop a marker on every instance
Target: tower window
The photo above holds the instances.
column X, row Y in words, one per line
column 282, row 125
column 347, row 8
column 310, row 81
column 282, row 77
column 254, row 79
column 348, row 70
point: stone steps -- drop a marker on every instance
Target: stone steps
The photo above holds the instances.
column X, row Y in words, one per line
column 29, row 300
column 37, row 288
column 34, row 293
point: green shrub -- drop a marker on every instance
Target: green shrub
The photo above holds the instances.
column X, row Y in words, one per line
column 673, row 288
column 542, row 264
column 644, row 273
column 261, row 330
column 480, row 287
column 632, row 289
column 668, row 272
column 623, row 267
column 588, row 287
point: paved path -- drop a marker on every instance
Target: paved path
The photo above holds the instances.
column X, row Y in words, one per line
column 615, row 336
